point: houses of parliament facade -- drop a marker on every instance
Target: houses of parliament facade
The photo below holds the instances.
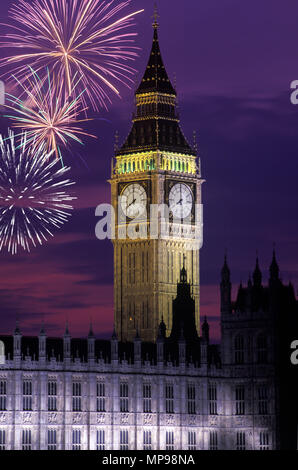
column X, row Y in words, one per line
column 158, row 383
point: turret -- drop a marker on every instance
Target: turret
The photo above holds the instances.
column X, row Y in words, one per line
column 66, row 344
column 257, row 275
column 274, row 270
column 184, row 311
column 205, row 330
column 91, row 345
column 204, row 342
column 114, row 347
column 42, row 339
column 225, row 289
column 17, row 342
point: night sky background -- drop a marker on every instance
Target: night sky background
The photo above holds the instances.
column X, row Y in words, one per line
column 234, row 62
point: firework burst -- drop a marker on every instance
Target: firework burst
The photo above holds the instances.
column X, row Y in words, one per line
column 33, row 196
column 90, row 38
column 49, row 119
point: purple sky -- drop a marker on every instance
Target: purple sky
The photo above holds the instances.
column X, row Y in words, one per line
column 234, row 63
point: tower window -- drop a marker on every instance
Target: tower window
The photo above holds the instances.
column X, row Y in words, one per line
column 147, row 441
column 76, row 396
column 76, row 439
column 240, row 401
column 191, row 399
column 240, row 441
column 263, row 400
column 52, row 439
column 123, row 440
column 213, row 441
column 143, row 266
column 264, row 441
column 3, row 395
column 52, row 395
column 192, row 440
column 100, row 439
column 27, row 395
column 239, row 349
column 147, row 398
column 212, row 396
column 101, row 400
column 124, row 397
column 169, row 392
column 26, row 439
column 2, row 439
column 169, row 440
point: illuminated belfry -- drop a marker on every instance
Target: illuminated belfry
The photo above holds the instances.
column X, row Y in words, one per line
column 155, row 165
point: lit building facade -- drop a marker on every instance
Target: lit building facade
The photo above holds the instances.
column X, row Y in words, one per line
column 173, row 394
column 155, row 165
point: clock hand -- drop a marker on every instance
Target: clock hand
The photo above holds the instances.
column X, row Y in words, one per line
column 131, row 203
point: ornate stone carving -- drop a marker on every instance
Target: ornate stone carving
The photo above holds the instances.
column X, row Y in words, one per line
column 2, row 417
column 213, row 420
column 148, row 419
column 192, row 419
column 52, row 418
column 77, row 418
column 124, row 418
column 170, row 419
column 101, row 418
column 27, row 418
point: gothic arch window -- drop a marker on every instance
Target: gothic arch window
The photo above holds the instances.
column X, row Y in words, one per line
column 262, row 349
column 239, row 349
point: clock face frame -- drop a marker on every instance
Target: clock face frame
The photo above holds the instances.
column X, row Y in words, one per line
column 133, row 200
column 181, row 200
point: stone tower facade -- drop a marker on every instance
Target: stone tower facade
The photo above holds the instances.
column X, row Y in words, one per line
column 154, row 166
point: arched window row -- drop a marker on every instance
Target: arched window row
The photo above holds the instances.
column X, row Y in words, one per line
column 261, row 348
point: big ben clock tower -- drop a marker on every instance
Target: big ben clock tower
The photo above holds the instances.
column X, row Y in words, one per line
column 155, row 165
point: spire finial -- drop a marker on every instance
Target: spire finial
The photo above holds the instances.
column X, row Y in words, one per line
column 274, row 269
column 66, row 328
column 195, row 142
column 91, row 334
column 183, row 274
column 116, row 144
column 155, row 16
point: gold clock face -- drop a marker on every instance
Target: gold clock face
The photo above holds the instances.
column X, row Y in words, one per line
column 180, row 201
column 133, row 200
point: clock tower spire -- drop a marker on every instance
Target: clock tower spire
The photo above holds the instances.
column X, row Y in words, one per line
column 154, row 166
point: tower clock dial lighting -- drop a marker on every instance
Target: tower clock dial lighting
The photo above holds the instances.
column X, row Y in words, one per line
column 180, row 200
column 133, row 200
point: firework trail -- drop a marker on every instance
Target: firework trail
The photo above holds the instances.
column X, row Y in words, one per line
column 33, row 196
column 89, row 38
column 48, row 118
